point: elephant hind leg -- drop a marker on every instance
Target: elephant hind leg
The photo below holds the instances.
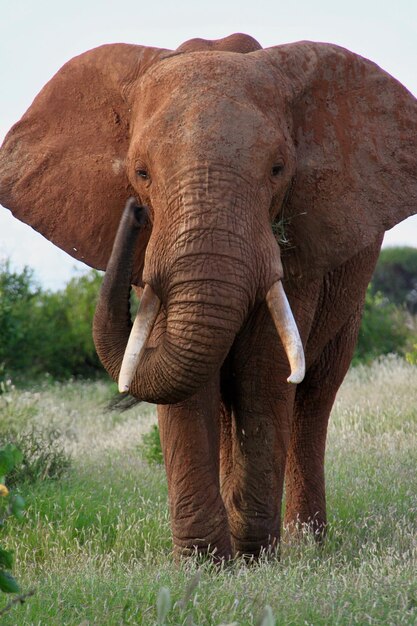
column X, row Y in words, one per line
column 304, row 475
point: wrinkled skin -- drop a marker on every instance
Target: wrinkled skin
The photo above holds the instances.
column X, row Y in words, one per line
column 219, row 140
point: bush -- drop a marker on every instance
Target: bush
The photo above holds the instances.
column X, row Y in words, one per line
column 11, row 504
column 412, row 355
column 65, row 345
column 151, row 446
column 388, row 325
column 18, row 293
column 43, row 332
column 383, row 329
column 42, row 457
column 395, row 276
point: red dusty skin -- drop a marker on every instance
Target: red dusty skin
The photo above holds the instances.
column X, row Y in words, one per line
column 202, row 319
column 314, row 119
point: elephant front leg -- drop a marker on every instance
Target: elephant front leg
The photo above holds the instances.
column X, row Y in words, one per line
column 252, row 482
column 189, row 434
column 256, row 425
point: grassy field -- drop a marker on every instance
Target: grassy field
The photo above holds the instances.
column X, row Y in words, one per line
column 95, row 542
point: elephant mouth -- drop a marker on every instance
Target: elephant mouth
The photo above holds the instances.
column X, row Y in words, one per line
column 150, row 304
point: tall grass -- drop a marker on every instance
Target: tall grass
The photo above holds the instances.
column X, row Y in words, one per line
column 96, row 543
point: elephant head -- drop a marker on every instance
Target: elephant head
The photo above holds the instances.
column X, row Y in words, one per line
column 218, row 140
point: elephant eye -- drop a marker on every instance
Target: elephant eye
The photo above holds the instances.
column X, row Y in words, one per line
column 277, row 169
column 142, row 173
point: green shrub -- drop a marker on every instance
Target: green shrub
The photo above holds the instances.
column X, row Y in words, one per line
column 150, row 447
column 383, row 329
column 395, row 276
column 65, row 345
column 42, row 457
column 10, row 504
column 46, row 333
column 18, row 294
column 412, row 355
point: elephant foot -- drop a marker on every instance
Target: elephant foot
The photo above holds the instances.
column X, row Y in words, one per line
column 218, row 552
column 252, row 546
column 296, row 528
column 255, row 533
column 252, row 551
column 201, row 531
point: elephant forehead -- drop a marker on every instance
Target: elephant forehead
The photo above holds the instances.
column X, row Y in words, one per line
column 246, row 78
column 223, row 131
column 205, row 118
column 208, row 105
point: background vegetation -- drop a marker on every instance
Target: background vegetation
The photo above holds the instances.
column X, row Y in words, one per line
column 46, row 333
column 396, row 277
column 93, row 544
column 49, row 334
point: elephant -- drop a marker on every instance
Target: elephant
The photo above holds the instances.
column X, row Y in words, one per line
column 257, row 185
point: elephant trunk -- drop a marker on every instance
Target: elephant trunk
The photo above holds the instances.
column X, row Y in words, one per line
column 198, row 336
column 112, row 320
column 150, row 304
column 206, row 299
column 204, row 311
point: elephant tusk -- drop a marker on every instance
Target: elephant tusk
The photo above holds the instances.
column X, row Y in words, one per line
column 142, row 327
column 287, row 329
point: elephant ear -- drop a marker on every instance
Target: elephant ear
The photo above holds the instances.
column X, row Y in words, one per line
column 62, row 166
column 355, row 132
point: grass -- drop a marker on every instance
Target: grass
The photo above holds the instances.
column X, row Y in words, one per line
column 95, row 543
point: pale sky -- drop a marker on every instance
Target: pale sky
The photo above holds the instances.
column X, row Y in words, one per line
column 38, row 36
